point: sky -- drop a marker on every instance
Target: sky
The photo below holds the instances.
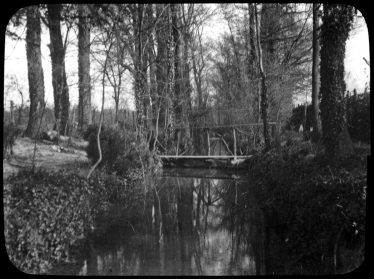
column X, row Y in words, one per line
column 357, row 71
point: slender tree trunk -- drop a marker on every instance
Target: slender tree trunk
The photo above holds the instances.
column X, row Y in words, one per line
column 186, row 88
column 252, row 56
column 116, row 107
column 140, row 66
column 12, row 112
column 177, row 103
column 170, row 73
column 252, row 34
column 101, row 118
column 60, row 88
column 84, row 105
column 161, row 60
column 264, row 99
column 35, row 70
column 315, row 76
column 152, row 69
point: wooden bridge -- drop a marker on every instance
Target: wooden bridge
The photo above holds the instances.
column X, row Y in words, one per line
column 201, row 161
column 230, row 158
column 213, row 126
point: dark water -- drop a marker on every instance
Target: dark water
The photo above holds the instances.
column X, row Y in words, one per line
column 190, row 226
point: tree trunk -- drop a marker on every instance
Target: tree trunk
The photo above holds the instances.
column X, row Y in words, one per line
column 337, row 22
column 140, row 80
column 60, row 88
column 12, row 112
column 169, row 72
column 84, row 105
column 264, row 99
column 35, row 70
column 152, row 70
column 177, row 102
column 252, row 57
column 315, row 76
column 186, row 88
column 161, row 66
column 116, row 107
column 252, row 34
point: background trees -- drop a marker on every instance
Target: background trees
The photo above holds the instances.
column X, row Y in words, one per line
column 176, row 78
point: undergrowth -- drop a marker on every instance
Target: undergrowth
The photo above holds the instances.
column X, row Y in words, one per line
column 317, row 207
column 47, row 214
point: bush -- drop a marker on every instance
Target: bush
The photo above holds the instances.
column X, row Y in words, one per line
column 121, row 153
column 358, row 117
column 297, row 118
column 10, row 134
column 112, row 143
column 91, row 130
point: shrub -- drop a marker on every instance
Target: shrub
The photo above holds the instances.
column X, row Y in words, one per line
column 10, row 134
column 297, row 118
column 112, row 143
column 121, row 153
column 91, row 130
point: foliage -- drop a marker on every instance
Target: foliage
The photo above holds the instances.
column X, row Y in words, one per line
column 358, row 117
column 46, row 213
column 310, row 202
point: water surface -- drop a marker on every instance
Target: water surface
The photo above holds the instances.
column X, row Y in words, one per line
column 191, row 225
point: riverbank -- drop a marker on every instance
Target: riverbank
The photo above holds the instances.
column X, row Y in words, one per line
column 50, row 211
column 317, row 207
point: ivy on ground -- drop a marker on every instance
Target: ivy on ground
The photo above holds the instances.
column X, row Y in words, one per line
column 47, row 213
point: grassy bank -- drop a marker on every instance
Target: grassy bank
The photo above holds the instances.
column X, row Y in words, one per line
column 317, row 207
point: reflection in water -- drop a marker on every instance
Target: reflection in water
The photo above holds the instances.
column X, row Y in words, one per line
column 191, row 226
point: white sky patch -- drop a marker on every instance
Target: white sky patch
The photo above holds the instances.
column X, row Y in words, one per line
column 357, row 72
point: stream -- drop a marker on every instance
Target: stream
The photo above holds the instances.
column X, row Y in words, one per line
column 196, row 222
